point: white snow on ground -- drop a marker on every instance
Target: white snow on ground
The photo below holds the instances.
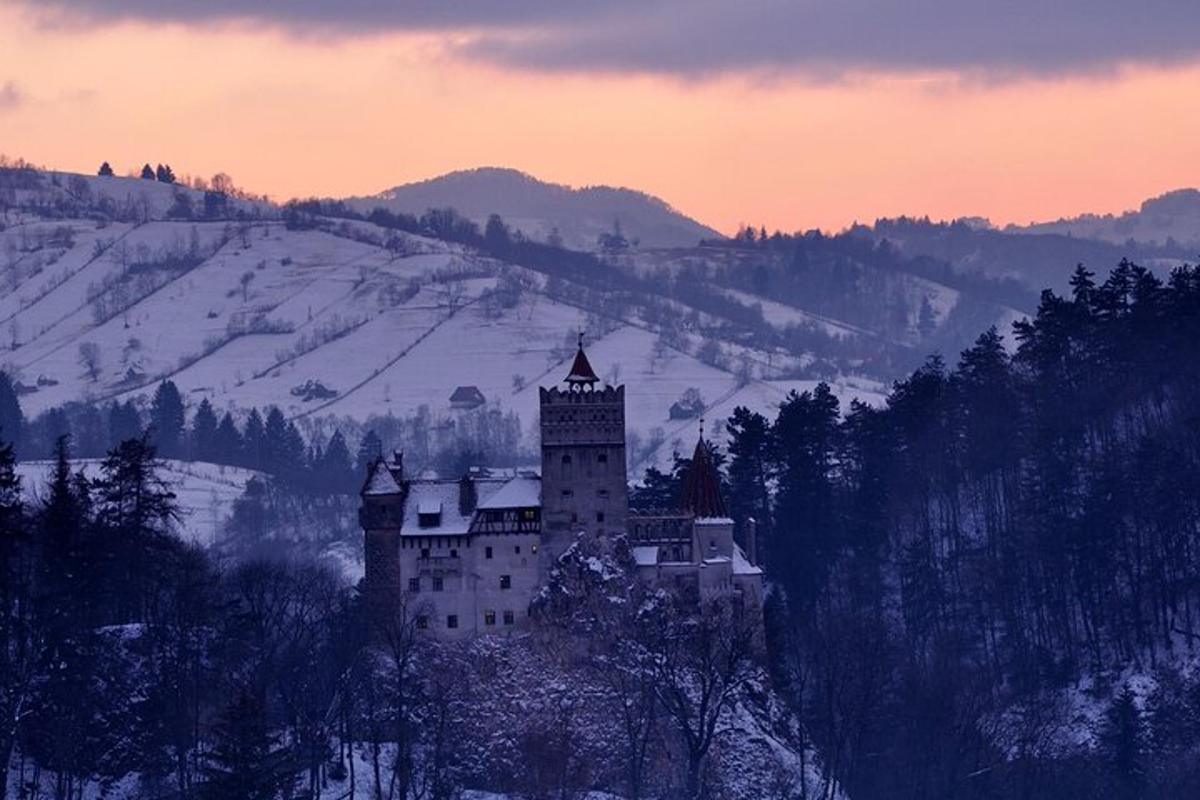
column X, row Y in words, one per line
column 320, row 323
column 781, row 315
column 205, row 493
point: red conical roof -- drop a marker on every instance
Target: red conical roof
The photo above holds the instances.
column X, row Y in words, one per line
column 702, row 487
column 581, row 369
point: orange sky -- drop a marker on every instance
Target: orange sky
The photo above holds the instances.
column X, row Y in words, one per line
column 290, row 117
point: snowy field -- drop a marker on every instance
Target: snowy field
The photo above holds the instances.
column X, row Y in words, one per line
column 248, row 313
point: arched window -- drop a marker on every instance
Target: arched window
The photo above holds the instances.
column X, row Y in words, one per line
column 566, row 460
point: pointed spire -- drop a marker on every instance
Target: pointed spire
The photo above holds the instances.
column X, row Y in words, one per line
column 702, row 486
column 581, row 370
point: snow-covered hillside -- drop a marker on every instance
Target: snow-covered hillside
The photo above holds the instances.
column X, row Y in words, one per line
column 348, row 320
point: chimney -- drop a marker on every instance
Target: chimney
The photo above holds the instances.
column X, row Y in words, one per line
column 466, row 496
column 752, row 540
column 397, row 465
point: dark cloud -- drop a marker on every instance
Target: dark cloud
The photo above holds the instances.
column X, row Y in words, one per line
column 816, row 38
column 10, row 96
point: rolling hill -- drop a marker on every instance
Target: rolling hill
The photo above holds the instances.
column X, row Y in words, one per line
column 538, row 208
column 1170, row 216
column 114, row 284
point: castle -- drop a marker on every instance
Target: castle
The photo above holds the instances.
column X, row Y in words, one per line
column 466, row 557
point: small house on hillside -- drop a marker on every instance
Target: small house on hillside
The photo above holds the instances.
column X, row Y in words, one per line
column 466, row 398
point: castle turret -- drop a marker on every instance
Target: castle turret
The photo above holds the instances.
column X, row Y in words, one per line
column 381, row 516
column 583, row 458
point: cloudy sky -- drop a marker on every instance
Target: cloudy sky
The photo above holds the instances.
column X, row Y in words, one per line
column 788, row 113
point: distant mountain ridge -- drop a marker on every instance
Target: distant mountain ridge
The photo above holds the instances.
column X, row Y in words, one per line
column 538, row 208
column 1172, row 215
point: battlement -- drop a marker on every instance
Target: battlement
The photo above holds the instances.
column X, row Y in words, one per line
column 555, row 396
column 588, row 417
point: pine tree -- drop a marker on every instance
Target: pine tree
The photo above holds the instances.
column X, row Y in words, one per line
column 17, row 635
column 147, row 173
column 244, row 762
column 61, row 526
column 12, row 421
column 227, row 446
column 805, row 534
column 254, row 442
column 370, row 450
column 926, row 319
column 134, row 509
column 275, row 440
column 1123, row 744
column 124, row 422
column 105, row 171
column 163, row 174
column 204, row 433
column 167, row 420
column 750, row 469
column 334, row 466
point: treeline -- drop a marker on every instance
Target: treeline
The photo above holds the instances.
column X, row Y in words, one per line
column 266, row 442
column 971, row 569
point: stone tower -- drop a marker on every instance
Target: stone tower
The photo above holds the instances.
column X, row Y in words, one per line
column 583, row 459
column 381, row 516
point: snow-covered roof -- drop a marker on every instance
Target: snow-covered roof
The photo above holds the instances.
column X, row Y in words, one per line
column 645, row 556
column 742, row 565
column 381, row 481
column 443, row 496
column 522, row 492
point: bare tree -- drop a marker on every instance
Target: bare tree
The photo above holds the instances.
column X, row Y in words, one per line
column 702, row 662
column 245, row 280
column 89, row 359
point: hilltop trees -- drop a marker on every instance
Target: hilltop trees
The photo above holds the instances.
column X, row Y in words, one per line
column 105, row 171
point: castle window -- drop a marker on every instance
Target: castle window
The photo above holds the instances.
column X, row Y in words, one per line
column 602, row 494
column 566, row 460
column 489, row 618
column 487, row 552
column 567, row 493
column 437, row 583
column 424, row 552
column 602, row 458
column 414, row 584
column 534, row 549
column 453, row 553
column 574, row 517
column 509, row 618
column 529, row 514
column 452, row 621
column 506, row 581
column 599, row 516
column 422, row 622
column 517, row 549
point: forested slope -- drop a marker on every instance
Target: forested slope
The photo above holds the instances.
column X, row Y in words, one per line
column 992, row 583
